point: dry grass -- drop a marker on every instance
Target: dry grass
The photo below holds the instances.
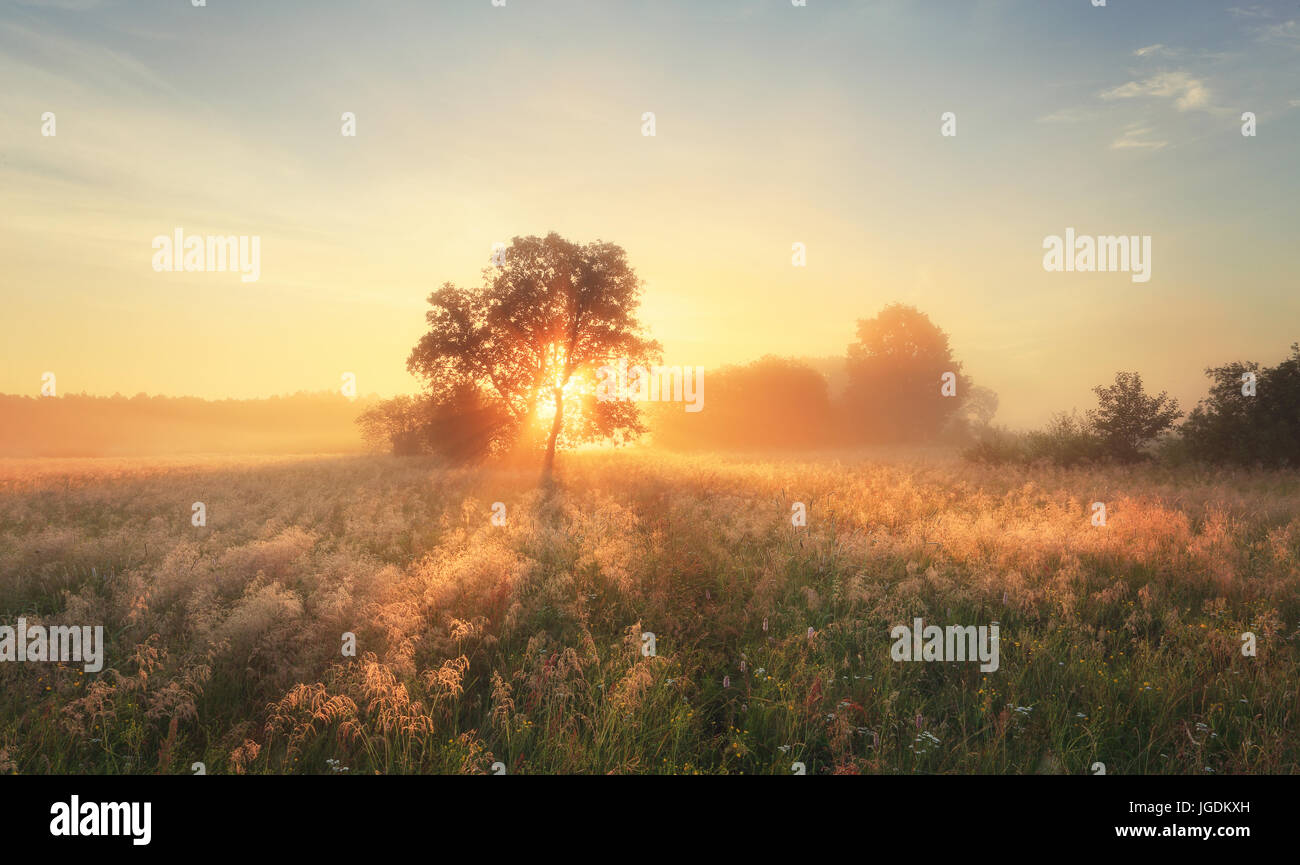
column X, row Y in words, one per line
column 521, row 644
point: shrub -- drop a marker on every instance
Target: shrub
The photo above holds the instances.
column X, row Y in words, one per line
column 996, row 446
column 1066, row 440
column 1230, row 426
column 1127, row 419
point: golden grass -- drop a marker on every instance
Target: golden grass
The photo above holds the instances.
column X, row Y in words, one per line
column 521, row 645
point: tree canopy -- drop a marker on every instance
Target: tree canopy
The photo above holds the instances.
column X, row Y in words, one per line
column 526, row 345
column 895, row 369
column 1252, row 414
column 1127, row 418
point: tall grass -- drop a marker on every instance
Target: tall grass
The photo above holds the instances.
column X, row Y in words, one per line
column 522, row 644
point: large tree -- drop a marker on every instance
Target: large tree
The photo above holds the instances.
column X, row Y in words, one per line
column 1249, row 423
column 895, row 372
column 531, row 339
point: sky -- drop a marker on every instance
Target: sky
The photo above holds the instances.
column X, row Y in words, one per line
column 774, row 125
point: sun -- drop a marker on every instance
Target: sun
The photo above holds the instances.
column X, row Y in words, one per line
column 573, row 390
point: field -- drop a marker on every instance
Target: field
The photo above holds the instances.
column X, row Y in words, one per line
column 521, row 644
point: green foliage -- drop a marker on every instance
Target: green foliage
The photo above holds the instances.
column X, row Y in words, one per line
column 1122, row 428
column 520, row 644
column 458, row 425
column 1127, row 418
column 1067, row 440
column 1229, row 426
column 549, row 315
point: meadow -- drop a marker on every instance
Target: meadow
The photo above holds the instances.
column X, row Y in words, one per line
column 521, row 644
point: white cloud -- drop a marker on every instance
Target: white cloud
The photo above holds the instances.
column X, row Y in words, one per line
column 1287, row 33
column 1137, row 138
column 1187, row 92
column 1156, row 50
column 1253, row 11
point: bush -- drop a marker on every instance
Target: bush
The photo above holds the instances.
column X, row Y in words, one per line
column 1174, row 450
column 1122, row 427
column 996, row 446
column 1067, row 440
column 462, row 427
column 1127, row 419
column 1230, row 426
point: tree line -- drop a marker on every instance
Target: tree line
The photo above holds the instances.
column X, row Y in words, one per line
column 1250, row 417
column 513, row 365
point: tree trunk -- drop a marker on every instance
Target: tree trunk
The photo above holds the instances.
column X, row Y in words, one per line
column 549, row 465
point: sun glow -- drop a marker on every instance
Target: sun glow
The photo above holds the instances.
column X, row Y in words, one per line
column 572, row 391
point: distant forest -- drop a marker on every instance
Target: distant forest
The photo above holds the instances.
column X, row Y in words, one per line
column 79, row 425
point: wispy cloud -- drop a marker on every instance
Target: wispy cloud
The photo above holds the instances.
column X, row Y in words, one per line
column 1189, row 93
column 1286, row 33
column 76, row 61
column 1156, row 50
column 1253, row 11
column 1137, row 137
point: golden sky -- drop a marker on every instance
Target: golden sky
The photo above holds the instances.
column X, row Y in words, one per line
column 774, row 125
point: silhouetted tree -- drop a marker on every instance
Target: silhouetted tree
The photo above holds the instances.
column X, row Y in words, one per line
column 458, row 426
column 399, row 424
column 529, row 340
column 895, row 370
column 1127, row 418
column 1231, row 426
column 974, row 416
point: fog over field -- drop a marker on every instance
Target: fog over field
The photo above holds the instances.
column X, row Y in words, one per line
column 525, row 643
